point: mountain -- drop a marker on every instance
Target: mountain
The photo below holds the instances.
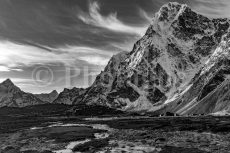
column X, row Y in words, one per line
column 13, row 96
column 48, row 97
column 209, row 91
column 180, row 65
column 69, row 96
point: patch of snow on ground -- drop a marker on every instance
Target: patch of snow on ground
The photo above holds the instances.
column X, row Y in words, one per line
column 101, row 135
column 221, row 113
column 71, row 146
column 66, row 125
column 178, row 95
column 36, row 128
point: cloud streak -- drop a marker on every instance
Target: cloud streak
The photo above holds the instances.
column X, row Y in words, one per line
column 7, row 69
column 145, row 15
column 213, row 8
column 14, row 55
column 19, row 61
column 110, row 22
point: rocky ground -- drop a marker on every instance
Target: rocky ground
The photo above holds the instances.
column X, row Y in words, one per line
column 170, row 142
column 119, row 135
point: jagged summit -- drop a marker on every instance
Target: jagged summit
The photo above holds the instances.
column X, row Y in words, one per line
column 8, row 82
column 167, row 14
column 9, row 87
column 54, row 92
column 169, row 11
column 48, row 97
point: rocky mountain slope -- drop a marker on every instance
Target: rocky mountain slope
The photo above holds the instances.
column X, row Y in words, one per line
column 179, row 65
column 70, row 96
column 48, row 97
column 12, row 96
column 209, row 90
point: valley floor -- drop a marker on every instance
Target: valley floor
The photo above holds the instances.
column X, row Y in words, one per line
column 116, row 135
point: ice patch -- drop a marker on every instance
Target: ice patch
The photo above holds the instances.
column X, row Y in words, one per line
column 101, row 135
column 36, row 128
column 178, row 95
column 66, row 125
column 221, row 113
column 101, row 127
column 71, row 146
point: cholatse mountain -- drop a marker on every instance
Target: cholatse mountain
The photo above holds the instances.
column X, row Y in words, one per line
column 181, row 65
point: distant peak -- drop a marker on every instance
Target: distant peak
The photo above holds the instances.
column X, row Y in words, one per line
column 173, row 6
column 10, row 85
column 66, row 90
column 54, row 92
column 8, row 82
column 170, row 11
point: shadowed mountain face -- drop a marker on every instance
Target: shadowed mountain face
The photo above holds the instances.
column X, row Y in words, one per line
column 179, row 65
column 49, row 97
column 70, row 96
column 12, row 96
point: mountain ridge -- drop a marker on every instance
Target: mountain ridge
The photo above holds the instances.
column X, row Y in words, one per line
column 13, row 96
column 69, row 96
column 162, row 64
column 48, row 97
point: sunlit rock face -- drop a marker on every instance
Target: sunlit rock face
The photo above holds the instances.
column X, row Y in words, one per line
column 176, row 50
column 13, row 96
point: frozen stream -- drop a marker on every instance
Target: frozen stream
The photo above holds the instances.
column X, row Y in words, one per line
column 71, row 145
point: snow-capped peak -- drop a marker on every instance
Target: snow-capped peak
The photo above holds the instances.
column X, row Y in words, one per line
column 167, row 15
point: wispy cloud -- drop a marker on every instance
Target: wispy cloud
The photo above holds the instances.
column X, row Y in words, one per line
column 110, row 22
column 213, row 8
column 145, row 15
column 15, row 55
column 19, row 81
column 90, row 55
column 19, row 61
column 4, row 69
column 8, row 69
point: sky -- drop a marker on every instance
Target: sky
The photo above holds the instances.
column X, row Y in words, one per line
column 57, row 44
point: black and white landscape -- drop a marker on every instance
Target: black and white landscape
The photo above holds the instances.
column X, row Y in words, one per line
column 169, row 93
